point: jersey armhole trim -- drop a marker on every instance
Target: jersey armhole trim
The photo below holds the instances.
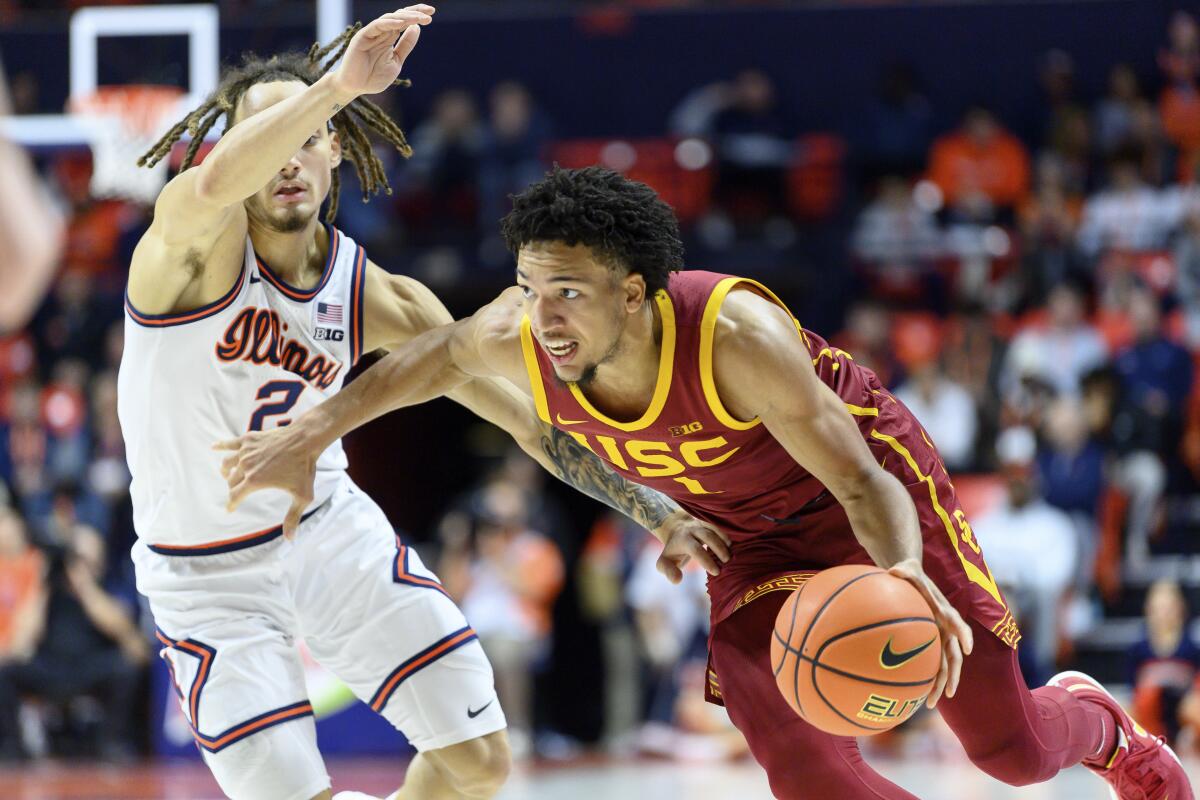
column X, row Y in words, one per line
column 708, row 325
column 357, row 292
column 534, row 371
column 184, row 317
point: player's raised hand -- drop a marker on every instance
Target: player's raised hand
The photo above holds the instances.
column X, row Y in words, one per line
column 270, row 460
column 684, row 538
column 374, row 58
column 957, row 639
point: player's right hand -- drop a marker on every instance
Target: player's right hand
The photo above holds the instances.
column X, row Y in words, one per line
column 684, row 537
column 375, row 55
column 277, row 459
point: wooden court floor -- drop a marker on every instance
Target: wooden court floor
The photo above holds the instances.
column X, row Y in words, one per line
column 613, row 779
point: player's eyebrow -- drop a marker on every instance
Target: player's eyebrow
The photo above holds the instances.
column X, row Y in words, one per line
column 553, row 279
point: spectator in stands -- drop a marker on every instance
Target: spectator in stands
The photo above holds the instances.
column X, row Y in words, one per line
column 752, row 139
column 1032, row 551
column 1115, row 116
column 980, row 158
column 1056, row 355
column 1164, row 664
column 973, row 355
column 672, row 628
column 1128, row 215
column 1070, row 471
column 1179, row 104
column 26, row 442
column 444, row 168
column 897, row 241
column 944, row 408
column 512, row 152
column 898, row 125
column 21, row 587
column 1065, row 134
column 87, row 643
column 1155, row 377
column 507, row 584
column 868, row 338
column 1047, row 225
column 1186, row 255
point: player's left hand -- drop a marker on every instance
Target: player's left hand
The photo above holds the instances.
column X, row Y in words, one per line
column 276, row 459
column 957, row 639
column 375, row 55
column 684, row 537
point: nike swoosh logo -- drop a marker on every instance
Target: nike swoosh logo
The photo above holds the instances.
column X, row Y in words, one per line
column 890, row 659
column 562, row 421
column 255, row 279
column 476, row 712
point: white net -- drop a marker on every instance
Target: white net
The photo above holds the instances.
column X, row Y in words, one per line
column 122, row 123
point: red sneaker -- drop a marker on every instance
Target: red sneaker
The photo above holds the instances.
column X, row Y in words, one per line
column 1143, row 767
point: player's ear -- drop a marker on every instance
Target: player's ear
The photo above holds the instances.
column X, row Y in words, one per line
column 634, row 287
column 335, row 150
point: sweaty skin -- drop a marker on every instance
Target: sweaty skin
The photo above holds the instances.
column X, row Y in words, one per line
column 598, row 329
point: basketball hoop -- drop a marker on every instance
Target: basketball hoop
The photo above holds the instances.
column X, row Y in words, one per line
column 122, row 123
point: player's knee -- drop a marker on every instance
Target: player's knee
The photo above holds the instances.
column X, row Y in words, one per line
column 477, row 768
column 1015, row 763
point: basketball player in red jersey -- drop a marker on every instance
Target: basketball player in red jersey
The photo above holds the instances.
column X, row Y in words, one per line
column 704, row 387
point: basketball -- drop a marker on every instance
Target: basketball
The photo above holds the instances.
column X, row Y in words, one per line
column 855, row 650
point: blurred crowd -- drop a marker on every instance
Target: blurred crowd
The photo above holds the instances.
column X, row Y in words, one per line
column 1032, row 295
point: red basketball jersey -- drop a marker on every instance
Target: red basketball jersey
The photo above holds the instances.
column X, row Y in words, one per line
column 734, row 475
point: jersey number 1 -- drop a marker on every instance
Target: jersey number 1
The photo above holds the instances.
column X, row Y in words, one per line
column 287, row 392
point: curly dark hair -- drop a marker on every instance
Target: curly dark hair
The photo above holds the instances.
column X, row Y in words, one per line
column 308, row 68
column 625, row 222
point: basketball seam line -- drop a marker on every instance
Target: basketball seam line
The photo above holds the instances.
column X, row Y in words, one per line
column 813, row 621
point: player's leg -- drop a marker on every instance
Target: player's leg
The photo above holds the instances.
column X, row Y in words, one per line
column 1028, row 736
column 471, row 769
column 225, row 626
column 802, row 763
column 378, row 619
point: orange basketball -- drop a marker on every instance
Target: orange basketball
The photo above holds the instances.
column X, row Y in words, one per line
column 855, row 650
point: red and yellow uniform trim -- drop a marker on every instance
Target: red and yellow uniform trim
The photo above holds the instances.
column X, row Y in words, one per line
column 662, row 387
column 708, row 326
column 232, row 735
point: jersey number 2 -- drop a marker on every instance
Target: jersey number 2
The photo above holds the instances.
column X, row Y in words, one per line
column 281, row 396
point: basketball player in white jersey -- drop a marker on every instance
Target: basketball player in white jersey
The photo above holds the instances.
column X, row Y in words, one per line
column 244, row 311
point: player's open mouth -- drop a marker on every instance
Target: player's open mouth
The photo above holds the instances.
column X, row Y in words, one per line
column 290, row 193
column 560, row 352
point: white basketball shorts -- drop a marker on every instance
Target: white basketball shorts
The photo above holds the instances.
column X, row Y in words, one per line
column 370, row 613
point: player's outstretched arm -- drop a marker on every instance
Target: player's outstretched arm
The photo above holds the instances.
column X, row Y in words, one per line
column 763, row 369
column 253, row 150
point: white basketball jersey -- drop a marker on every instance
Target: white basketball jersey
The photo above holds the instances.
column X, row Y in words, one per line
column 259, row 357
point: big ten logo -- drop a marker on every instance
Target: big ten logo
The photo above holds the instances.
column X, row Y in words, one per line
column 329, row 334
column 684, row 430
column 885, row 709
column 661, row 459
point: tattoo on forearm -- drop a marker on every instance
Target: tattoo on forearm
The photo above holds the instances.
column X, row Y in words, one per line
column 579, row 467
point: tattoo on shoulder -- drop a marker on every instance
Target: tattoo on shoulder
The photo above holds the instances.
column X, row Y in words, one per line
column 579, row 467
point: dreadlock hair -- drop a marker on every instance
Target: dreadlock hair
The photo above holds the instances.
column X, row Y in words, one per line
column 348, row 123
column 624, row 222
